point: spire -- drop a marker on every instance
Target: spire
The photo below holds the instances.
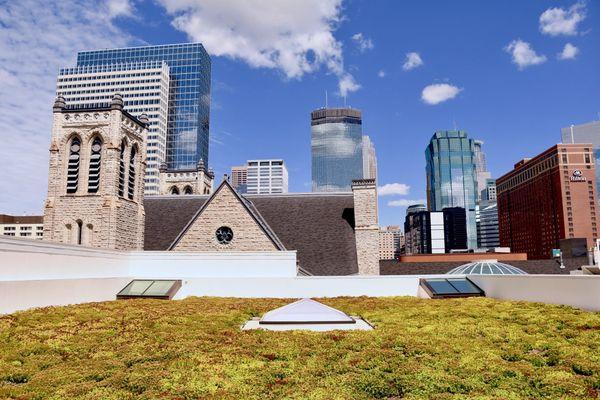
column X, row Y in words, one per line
column 117, row 102
column 59, row 104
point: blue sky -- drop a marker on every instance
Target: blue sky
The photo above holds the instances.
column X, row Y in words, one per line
column 500, row 71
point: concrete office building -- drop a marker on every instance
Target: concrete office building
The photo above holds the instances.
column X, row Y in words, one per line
column 188, row 112
column 481, row 172
column 239, row 178
column 267, row 177
column 451, row 176
column 26, row 226
column 548, row 198
column 488, row 236
column 391, row 240
column 144, row 87
column 336, row 149
column 585, row 133
column 369, row 158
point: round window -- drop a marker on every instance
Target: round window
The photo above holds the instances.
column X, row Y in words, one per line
column 224, row 235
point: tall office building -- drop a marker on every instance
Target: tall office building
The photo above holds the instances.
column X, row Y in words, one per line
column 488, row 234
column 267, row 177
column 337, row 149
column 481, row 172
column 455, row 228
column 189, row 95
column 239, row 178
column 585, row 133
column 451, row 178
column 369, row 158
column 144, row 86
column 548, row 198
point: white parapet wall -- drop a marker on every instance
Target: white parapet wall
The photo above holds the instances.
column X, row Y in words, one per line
column 37, row 274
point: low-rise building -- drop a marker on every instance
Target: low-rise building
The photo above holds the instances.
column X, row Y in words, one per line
column 28, row 226
column 391, row 240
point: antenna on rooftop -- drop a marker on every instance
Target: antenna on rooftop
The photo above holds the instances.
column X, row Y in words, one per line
column 454, row 123
column 344, row 101
column 325, row 98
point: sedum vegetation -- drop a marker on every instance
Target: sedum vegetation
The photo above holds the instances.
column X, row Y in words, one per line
column 194, row 349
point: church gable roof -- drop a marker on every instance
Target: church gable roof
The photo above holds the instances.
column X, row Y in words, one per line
column 319, row 226
column 226, row 207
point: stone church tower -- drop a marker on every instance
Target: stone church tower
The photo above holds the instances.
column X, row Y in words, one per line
column 96, row 177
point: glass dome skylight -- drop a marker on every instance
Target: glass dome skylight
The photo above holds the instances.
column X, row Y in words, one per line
column 486, row 267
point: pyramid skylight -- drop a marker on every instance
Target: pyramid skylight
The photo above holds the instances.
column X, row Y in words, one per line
column 306, row 311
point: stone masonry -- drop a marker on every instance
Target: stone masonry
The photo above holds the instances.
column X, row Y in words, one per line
column 366, row 226
column 191, row 181
column 103, row 218
column 225, row 209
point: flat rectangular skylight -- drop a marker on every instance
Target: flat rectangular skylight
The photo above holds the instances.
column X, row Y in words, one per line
column 438, row 288
column 150, row 288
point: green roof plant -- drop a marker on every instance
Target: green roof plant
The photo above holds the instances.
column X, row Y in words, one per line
column 194, row 349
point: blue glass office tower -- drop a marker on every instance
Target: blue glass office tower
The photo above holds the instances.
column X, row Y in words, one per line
column 451, row 177
column 336, row 146
column 189, row 95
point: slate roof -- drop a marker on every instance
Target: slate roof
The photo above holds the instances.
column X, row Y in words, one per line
column 319, row 226
column 393, row 267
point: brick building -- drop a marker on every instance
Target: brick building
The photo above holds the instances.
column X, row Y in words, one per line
column 548, row 198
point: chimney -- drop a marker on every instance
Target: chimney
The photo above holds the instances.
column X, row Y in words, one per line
column 366, row 226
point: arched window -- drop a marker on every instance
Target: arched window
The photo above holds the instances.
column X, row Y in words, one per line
column 174, row 190
column 79, row 231
column 132, row 172
column 188, row 190
column 94, row 175
column 73, row 166
column 122, row 171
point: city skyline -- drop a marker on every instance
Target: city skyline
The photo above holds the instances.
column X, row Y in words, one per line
column 516, row 113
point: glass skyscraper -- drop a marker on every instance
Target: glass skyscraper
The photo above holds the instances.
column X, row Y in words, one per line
column 451, row 177
column 337, row 149
column 189, row 95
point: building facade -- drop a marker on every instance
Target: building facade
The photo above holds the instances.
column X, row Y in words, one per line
column 26, row 226
column 451, row 176
column 336, row 149
column 239, row 178
column 550, row 197
column 186, row 181
column 369, row 158
column 488, row 234
column 95, row 181
column 188, row 112
column 481, row 172
column 423, row 231
column 455, row 229
column 267, row 177
column 391, row 241
column 144, row 87
column 585, row 133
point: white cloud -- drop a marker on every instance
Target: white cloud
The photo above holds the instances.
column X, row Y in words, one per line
column 119, row 8
column 558, row 21
column 363, row 43
column 389, row 189
column 294, row 37
column 381, row 73
column 569, row 52
column 404, row 202
column 439, row 92
column 523, row 55
column 413, row 60
column 36, row 39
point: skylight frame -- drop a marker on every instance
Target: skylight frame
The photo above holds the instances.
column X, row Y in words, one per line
column 435, row 294
column 168, row 294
